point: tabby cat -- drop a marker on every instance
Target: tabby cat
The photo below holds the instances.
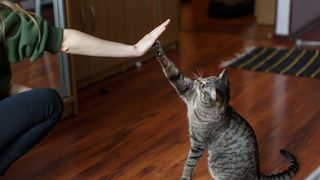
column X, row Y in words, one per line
column 214, row 125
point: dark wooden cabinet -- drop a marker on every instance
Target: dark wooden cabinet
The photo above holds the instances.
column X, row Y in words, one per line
column 123, row 21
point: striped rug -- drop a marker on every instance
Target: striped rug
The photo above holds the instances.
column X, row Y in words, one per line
column 294, row 61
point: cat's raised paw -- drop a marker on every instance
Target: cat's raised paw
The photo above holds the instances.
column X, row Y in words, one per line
column 157, row 49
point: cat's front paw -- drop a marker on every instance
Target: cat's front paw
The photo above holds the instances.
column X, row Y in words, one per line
column 157, row 49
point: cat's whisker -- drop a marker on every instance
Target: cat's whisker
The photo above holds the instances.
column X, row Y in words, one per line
column 212, row 71
column 201, row 71
column 198, row 71
column 194, row 75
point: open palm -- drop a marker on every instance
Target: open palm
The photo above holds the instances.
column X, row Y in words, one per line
column 148, row 40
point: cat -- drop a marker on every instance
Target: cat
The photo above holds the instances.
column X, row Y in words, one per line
column 214, row 125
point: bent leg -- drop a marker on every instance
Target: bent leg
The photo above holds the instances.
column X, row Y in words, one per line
column 25, row 119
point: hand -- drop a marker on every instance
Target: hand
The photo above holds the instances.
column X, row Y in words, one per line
column 148, row 40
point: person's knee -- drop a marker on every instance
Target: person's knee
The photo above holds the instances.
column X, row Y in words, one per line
column 53, row 98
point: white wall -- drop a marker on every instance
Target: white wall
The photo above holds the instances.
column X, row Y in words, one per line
column 294, row 15
column 304, row 12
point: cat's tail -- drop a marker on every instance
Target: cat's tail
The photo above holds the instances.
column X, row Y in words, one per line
column 286, row 174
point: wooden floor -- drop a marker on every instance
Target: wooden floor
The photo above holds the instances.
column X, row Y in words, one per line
column 42, row 73
column 134, row 126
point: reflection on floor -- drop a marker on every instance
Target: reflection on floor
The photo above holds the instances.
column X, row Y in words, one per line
column 138, row 129
column 42, row 73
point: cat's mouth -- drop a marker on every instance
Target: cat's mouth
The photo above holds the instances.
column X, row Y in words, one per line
column 211, row 97
column 206, row 98
column 208, row 95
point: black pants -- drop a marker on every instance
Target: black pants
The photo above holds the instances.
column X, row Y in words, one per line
column 24, row 120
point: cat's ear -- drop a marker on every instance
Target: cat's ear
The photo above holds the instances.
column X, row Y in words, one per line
column 224, row 77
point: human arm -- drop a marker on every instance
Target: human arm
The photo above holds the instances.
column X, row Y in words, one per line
column 76, row 42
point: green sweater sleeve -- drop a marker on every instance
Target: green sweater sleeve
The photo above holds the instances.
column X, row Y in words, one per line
column 23, row 40
column 26, row 40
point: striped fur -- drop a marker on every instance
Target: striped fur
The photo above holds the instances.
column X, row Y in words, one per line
column 214, row 125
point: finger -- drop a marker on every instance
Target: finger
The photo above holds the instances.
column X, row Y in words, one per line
column 158, row 31
column 164, row 24
column 161, row 31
